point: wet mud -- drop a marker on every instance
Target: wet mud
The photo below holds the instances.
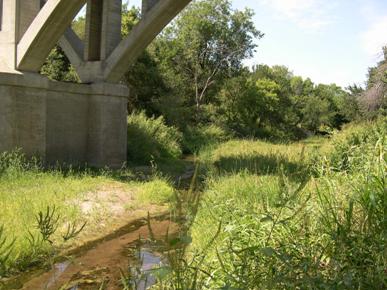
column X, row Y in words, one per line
column 105, row 264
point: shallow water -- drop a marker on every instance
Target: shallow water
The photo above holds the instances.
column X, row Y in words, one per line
column 104, row 265
column 148, row 261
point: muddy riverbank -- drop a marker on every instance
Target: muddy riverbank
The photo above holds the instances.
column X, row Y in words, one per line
column 101, row 264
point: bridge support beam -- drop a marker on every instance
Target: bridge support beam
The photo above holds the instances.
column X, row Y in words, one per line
column 44, row 32
column 141, row 36
column 13, row 28
column 111, row 27
column 147, row 5
column 93, row 30
column 73, row 47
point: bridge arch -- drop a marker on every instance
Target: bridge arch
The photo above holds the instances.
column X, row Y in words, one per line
column 103, row 56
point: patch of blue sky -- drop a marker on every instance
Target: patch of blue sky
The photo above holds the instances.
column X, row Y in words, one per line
column 329, row 41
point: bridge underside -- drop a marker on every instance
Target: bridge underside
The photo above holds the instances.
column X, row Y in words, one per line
column 62, row 122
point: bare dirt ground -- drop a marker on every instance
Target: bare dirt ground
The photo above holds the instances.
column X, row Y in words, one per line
column 109, row 208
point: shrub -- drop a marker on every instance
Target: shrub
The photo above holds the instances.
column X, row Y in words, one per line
column 353, row 150
column 15, row 162
column 195, row 138
column 151, row 139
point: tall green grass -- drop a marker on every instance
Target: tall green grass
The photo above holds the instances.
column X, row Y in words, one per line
column 259, row 157
column 264, row 229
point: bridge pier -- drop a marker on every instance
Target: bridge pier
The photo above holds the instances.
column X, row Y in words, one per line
column 64, row 122
column 67, row 123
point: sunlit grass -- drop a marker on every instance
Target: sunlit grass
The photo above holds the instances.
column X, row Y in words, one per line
column 259, row 227
column 158, row 192
column 259, row 157
column 24, row 192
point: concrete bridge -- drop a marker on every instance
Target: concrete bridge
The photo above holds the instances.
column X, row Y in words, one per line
column 65, row 122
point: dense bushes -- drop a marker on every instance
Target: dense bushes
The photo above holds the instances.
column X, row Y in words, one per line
column 151, row 139
column 15, row 162
column 196, row 138
column 351, row 151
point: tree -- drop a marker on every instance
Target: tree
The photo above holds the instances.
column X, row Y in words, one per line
column 203, row 47
column 374, row 100
column 58, row 67
column 253, row 107
column 143, row 77
column 316, row 113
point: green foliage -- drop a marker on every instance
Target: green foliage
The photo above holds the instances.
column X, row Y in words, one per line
column 6, row 248
column 273, row 104
column 276, row 232
column 158, row 192
column 47, row 223
column 206, row 44
column 351, row 152
column 151, row 139
column 130, row 17
column 73, row 230
column 257, row 157
column 373, row 101
column 253, row 107
column 58, row 67
column 196, row 138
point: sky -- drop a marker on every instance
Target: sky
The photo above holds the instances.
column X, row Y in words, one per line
column 330, row 41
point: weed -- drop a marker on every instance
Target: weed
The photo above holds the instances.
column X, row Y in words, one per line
column 47, row 223
column 6, row 248
column 73, row 231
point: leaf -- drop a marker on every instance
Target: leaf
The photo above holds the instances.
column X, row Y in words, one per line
column 180, row 240
column 186, row 240
column 161, row 273
column 268, row 251
column 228, row 287
column 266, row 219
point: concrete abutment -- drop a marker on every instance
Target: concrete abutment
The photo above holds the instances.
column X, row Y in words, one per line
column 68, row 123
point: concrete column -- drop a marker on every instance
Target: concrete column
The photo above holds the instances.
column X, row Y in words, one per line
column 44, row 32
column 8, row 36
column 22, row 114
column 147, row 5
column 107, row 138
column 93, row 34
column 1, row 14
column 17, row 15
column 27, row 11
column 111, row 27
